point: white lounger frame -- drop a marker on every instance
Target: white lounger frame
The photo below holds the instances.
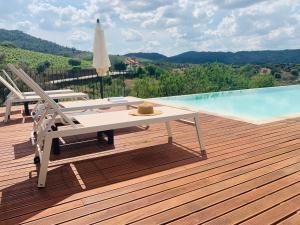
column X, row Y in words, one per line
column 62, row 91
column 16, row 96
column 46, row 134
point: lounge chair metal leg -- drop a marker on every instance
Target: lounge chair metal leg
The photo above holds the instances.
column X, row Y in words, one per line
column 55, row 143
column 44, row 163
column 170, row 138
column 199, row 133
column 7, row 111
column 109, row 134
column 26, row 108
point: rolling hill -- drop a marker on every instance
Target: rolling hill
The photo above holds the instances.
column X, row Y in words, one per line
column 150, row 56
column 242, row 57
column 18, row 55
column 26, row 41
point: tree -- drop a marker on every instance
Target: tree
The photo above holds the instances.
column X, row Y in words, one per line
column 42, row 66
column 260, row 80
column 47, row 63
column 75, row 69
column 295, row 72
column 151, row 69
column 2, row 58
column 120, row 66
column 277, row 75
column 24, row 64
column 8, row 44
column 146, row 87
column 107, row 80
column 140, row 71
column 74, row 62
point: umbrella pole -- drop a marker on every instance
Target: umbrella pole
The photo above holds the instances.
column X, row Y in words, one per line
column 101, row 87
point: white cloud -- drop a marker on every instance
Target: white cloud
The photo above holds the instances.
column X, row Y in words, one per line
column 132, row 35
column 24, row 25
column 175, row 33
column 167, row 26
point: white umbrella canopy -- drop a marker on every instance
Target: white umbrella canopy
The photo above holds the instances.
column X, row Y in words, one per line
column 101, row 60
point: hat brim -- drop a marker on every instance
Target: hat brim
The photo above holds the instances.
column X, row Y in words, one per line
column 135, row 113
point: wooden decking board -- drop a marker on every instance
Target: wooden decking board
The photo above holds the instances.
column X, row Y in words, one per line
column 259, row 206
column 204, row 161
column 218, row 204
column 277, row 213
column 152, row 209
column 27, row 160
column 148, row 181
column 132, row 196
column 292, row 220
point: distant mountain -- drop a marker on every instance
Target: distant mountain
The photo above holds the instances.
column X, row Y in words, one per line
column 242, row 57
column 150, row 56
column 26, row 41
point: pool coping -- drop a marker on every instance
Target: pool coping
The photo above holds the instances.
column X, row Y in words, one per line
column 255, row 122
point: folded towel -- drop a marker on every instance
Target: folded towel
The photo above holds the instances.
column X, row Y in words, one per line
column 117, row 99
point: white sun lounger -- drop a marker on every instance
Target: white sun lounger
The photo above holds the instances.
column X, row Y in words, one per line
column 98, row 103
column 76, row 107
column 29, row 93
column 94, row 123
column 72, row 108
column 16, row 96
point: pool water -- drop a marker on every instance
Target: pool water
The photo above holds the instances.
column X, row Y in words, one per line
column 256, row 105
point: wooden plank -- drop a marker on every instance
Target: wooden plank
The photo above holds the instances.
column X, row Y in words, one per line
column 241, row 214
column 277, row 213
column 158, row 183
column 184, row 194
column 149, row 183
column 292, row 220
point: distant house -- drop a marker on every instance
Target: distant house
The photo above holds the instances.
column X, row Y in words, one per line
column 132, row 62
column 265, row 71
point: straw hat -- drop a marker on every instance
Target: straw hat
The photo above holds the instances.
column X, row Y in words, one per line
column 145, row 109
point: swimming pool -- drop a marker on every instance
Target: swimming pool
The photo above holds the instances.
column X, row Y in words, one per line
column 260, row 105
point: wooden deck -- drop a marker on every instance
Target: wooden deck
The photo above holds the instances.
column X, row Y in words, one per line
column 251, row 176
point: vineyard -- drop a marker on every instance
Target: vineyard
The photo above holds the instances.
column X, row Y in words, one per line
column 32, row 59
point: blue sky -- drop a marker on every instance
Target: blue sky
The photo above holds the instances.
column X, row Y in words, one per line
column 165, row 26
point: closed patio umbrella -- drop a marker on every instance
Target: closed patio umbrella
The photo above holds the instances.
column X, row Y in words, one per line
column 101, row 60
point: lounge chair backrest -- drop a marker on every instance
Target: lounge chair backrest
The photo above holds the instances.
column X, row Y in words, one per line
column 11, row 88
column 11, row 81
column 39, row 91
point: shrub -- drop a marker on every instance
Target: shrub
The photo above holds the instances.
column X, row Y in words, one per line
column 277, row 75
column 8, row 44
column 107, row 80
column 261, row 80
column 75, row 69
column 295, row 72
column 74, row 62
column 151, row 70
column 42, row 66
column 120, row 66
column 146, row 87
column 24, row 64
column 140, row 71
column 2, row 58
column 47, row 63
